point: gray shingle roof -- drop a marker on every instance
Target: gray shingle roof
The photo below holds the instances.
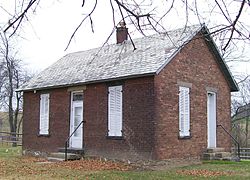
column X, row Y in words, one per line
column 116, row 61
column 242, row 112
column 120, row 61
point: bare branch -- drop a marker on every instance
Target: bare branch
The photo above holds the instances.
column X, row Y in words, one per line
column 234, row 24
column 20, row 17
column 83, row 2
column 169, row 9
column 243, row 80
column 129, row 11
column 73, row 34
column 113, row 12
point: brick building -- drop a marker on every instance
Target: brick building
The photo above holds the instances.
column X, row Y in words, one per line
column 161, row 100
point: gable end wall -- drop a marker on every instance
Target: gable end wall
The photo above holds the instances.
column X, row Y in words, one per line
column 194, row 65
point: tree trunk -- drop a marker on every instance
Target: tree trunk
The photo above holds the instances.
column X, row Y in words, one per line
column 10, row 68
column 11, row 122
column 247, row 122
column 19, row 125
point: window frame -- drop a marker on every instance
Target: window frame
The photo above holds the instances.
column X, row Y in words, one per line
column 184, row 111
column 110, row 134
column 43, row 131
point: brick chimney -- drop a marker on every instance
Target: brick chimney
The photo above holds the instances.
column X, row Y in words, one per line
column 121, row 32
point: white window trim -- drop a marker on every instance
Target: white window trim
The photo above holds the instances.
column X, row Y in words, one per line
column 44, row 116
column 115, row 111
column 184, row 111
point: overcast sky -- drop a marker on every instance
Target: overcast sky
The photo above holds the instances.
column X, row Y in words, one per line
column 48, row 32
column 50, row 29
column 46, row 35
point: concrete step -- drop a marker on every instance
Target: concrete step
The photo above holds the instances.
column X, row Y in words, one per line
column 72, row 150
column 61, row 155
column 214, row 150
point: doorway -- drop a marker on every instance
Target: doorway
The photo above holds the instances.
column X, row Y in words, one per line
column 76, row 118
column 211, row 120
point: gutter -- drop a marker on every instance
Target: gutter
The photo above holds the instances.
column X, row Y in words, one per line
column 86, row 83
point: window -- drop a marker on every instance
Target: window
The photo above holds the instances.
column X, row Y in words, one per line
column 115, row 111
column 184, row 112
column 44, row 114
column 77, row 96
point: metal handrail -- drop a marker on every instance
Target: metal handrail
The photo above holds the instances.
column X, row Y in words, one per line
column 67, row 141
column 233, row 138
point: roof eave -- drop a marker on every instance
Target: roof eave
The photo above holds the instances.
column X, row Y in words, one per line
column 213, row 47
column 87, row 82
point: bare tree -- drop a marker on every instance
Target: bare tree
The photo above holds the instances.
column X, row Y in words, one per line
column 241, row 110
column 12, row 75
column 151, row 15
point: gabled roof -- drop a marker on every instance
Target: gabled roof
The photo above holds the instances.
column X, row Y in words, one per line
column 118, row 61
column 242, row 112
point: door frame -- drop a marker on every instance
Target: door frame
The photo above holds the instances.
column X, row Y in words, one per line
column 71, row 129
column 211, row 119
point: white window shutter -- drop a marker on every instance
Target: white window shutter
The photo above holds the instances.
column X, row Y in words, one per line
column 187, row 113
column 115, row 111
column 184, row 111
column 181, row 112
column 44, row 114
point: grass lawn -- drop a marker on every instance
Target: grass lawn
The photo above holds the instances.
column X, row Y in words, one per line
column 15, row 166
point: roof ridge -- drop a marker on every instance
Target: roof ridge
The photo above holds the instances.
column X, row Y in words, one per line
column 138, row 38
column 115, row 61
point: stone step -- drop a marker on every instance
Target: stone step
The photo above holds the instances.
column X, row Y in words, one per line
column 61, row 155
column 222, row 154
column 55, row 159
column 208, row 156
column 225, row 156
column 214, row 150
column 72, row 150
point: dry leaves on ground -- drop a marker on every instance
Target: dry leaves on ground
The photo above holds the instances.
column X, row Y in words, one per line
column 92, row 165
column 204, row 173
column 31, row 159
column 37, row 166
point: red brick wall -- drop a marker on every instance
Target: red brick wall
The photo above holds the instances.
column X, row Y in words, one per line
column 138, row 99
column 58, row 121
column 196, row 65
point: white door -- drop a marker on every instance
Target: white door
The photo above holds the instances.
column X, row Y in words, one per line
column 76, row 140
column 211, row 120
